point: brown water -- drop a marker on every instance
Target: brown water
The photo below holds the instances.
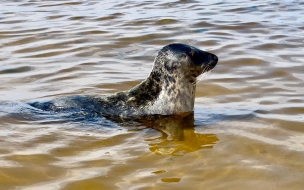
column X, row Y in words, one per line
column 248, row 131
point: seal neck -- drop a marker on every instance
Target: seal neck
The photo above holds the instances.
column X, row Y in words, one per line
column 148, row 90
column 172, row 94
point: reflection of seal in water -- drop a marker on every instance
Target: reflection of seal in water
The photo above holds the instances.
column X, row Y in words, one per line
column 178, row 135
column 169, row 89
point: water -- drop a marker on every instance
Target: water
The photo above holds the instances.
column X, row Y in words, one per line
column 248, row 130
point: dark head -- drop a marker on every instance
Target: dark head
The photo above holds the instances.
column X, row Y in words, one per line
column 185, row 61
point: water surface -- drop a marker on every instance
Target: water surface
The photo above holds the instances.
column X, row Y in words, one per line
column 248, row 130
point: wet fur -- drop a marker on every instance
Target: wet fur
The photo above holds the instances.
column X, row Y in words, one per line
column 169, row 89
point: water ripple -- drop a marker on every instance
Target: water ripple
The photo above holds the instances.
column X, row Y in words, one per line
column 249, row 114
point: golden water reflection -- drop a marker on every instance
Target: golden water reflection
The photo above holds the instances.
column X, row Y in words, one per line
column 178, row 136
column 51, row 50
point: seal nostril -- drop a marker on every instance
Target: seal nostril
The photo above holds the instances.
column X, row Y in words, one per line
column 192, row 52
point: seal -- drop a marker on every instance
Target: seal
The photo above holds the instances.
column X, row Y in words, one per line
column 168, row 90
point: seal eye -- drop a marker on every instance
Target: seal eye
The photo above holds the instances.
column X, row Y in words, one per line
column 183, row 56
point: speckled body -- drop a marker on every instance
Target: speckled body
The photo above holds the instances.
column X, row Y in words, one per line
column 169, row 89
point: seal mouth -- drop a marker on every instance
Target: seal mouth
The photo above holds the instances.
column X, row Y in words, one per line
column 213, row 59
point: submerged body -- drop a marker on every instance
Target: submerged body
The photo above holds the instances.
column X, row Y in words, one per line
column 168, row 90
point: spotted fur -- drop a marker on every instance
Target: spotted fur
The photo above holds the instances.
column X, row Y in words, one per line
column 169, row 89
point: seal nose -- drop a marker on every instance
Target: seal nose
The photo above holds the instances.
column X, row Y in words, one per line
column 200, row 57
column 212, row 57
column 215, row 58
